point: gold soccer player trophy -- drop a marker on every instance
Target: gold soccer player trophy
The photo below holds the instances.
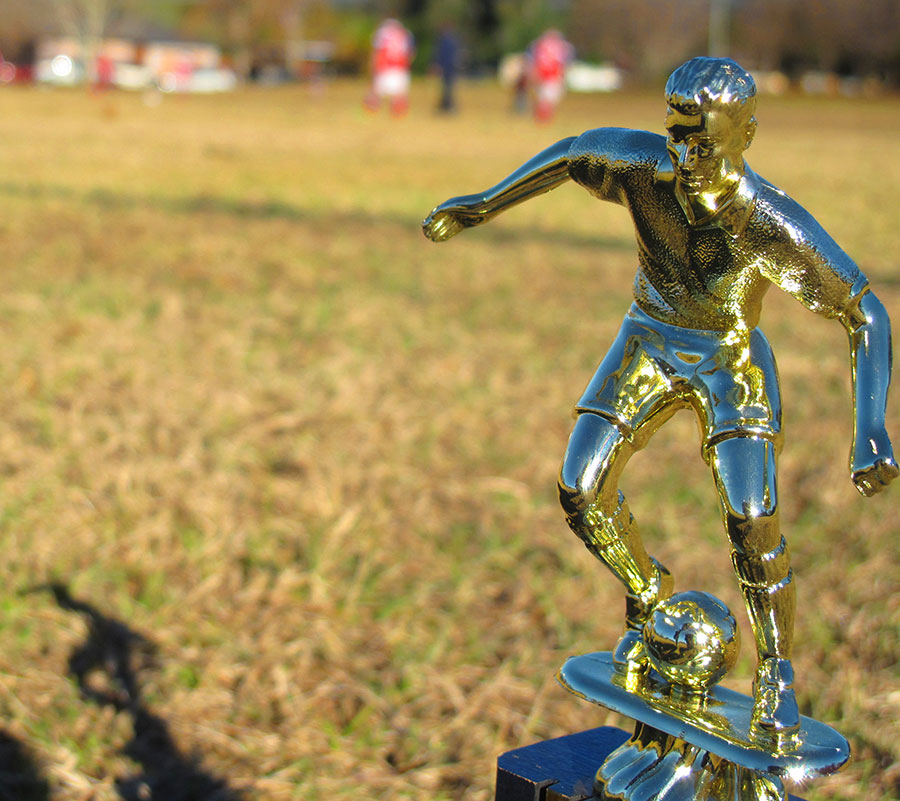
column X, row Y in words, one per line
column 712, row 236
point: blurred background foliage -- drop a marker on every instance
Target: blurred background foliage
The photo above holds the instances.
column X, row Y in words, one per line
column 646, row 36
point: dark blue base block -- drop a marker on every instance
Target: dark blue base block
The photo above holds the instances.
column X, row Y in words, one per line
column 562, row 769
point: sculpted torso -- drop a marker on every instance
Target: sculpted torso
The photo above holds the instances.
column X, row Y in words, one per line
column 711, row 276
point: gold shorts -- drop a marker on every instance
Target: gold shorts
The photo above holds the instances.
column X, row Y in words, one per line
column 653, row 369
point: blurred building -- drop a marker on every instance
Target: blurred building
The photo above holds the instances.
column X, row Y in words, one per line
column 132, row 63
column 584, row 77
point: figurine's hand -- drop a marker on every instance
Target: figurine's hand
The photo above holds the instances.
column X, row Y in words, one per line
column 452, row 216
column 873, row 466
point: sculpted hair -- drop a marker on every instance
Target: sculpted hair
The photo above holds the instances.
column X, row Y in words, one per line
column 704, row 84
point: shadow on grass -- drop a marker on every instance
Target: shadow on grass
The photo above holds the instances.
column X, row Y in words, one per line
column 106, row 668
column 19, row 776
column 280, row 210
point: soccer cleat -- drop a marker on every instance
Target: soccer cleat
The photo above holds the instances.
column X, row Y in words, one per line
column 775, row 719
column 630, row 658
column 629, row 651
column 629, row 655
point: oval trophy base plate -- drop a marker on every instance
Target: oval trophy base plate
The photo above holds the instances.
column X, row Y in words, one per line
column 718, row 722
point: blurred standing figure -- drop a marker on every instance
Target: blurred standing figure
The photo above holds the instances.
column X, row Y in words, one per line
column 105, row 72
column 447, row 62
column 514, row 73
column 549, row 56
column 393, row 48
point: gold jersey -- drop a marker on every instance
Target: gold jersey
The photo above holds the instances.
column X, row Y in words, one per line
column 712, row 276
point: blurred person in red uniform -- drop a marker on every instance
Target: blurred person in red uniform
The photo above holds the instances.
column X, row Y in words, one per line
column 549, row 56
column 393, row 49
column 105, row 72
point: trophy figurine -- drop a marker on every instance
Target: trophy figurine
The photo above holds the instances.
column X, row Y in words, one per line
column 712, row 235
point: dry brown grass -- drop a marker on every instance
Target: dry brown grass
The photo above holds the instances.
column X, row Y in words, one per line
column 251, row 414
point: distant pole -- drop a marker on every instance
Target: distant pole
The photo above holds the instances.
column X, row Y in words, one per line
column 292, row 25
column 719, row 24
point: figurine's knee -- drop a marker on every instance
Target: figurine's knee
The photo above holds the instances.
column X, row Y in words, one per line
column 590, row 469
column 744, row 470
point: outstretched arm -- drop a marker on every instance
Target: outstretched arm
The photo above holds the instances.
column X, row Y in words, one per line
column 872, row 463
column 547, row 170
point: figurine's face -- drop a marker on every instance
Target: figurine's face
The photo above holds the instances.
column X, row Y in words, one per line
column 706, row 149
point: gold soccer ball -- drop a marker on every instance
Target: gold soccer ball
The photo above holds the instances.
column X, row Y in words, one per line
column 692, row 639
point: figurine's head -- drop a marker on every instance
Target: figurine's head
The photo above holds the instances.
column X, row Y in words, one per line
column 710, row 123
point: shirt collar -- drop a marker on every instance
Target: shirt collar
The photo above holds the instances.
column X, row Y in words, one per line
column 733, row 216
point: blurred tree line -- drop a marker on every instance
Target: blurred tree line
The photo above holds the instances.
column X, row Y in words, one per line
column 648, row 37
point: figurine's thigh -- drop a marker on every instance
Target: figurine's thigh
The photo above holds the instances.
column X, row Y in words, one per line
column 594, row 459
column 744, row 471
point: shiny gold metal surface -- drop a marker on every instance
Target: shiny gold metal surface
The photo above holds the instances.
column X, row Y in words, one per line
column 688, row 744
column 712, row 237
column 692, row 640
column 654, row 765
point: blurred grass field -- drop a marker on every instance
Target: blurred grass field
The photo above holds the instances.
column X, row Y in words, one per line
column 278, row 501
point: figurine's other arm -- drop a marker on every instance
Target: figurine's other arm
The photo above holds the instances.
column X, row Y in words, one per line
column 547, row 170
column 807, row 263
column 872, row 463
